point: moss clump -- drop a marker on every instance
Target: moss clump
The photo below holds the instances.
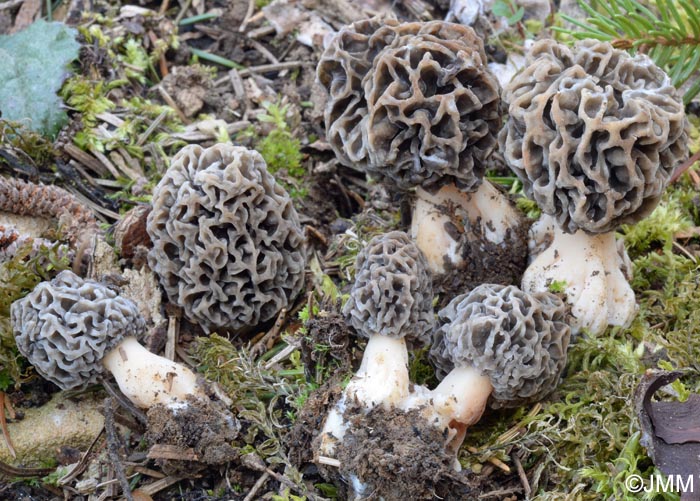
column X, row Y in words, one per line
column 262, row 396
column 659, row 229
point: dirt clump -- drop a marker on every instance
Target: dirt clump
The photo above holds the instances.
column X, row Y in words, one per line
column 396, row 455
column 309, row 421
column 483, row 261
column 187, row 437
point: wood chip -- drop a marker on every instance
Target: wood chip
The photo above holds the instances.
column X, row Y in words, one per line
column 85, row 159
column 27, row 13
column 159, row 485
column 164, row 451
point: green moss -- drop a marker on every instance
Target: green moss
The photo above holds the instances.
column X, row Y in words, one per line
column 659, row 228
column 282, row 151
column 32, row 144
column 262, row 396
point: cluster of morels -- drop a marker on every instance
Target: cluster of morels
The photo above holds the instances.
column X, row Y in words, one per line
column 593, row 134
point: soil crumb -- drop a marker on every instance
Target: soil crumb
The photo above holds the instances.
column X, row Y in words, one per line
column 396, row 455
column 204, row 429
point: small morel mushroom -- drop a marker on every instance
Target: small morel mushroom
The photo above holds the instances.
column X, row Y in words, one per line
column 497, row 345
column 594, row 134
column 390, row 303
column 71, row 330
column 415, row 105
column 227, row 243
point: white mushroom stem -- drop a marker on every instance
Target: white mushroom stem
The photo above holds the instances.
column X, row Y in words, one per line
column 459, row 401
column 382, row 379
column 462, row 395
column 590, row 269
column 439, row 220
column 148, row 379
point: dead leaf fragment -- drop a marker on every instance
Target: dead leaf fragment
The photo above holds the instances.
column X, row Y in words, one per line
column 670, row 430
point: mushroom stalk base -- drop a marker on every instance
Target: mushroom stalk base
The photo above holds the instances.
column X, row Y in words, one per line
column 383, row 375
column 382, row 379
column 148, row 379
column 442, row 220
column 590, row 269
column 462, row 395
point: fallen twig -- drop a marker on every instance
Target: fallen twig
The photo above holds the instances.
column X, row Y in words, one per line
column 113, row 448
column 3, row 424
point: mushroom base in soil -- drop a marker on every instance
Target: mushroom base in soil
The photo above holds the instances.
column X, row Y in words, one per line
column 449, row 224
column 591, row 269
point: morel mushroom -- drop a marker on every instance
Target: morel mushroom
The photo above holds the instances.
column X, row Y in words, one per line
column 390, row 303
column 594, row 134
column 415, row 105
column 227, row 243
column 71, row 330
column 497, row 345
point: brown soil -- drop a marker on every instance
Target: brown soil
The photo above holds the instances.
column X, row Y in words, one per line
column 484, row 262
column 310, row 421
column 398, row 455
column 203, row 428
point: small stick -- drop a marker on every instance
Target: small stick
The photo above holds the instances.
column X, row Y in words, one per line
column 494, row 461
column 266, row 53
column 82, row 464
column 126, row 403
column 685, row 166
column 159, row 485
column 257, row 486
column 11, row 471
column 161, row 60
column 173, row 334
column 171, row 102
column 317, row 234
column 113, row 447
column 521, row 473
column 248, row 15
column 272, row 333
column 280, row 356
column 329, row 461
column 264, row 68
column 3, row 424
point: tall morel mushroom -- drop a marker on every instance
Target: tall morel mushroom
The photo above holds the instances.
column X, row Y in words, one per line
column 71, row 330
column 594, row 134
column 415, row 105
column 227, row 243
column 496, row 345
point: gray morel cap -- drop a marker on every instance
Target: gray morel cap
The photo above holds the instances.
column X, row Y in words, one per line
column 518, row 340
column 227, row 243
column 593, row 133
column 393, row 293
column 66, row 326
column 412, row 102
